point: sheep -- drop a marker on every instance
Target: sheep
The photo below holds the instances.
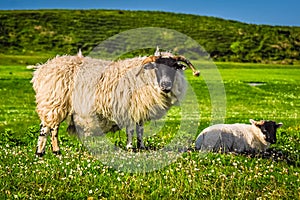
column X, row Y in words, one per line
column 99, row 95
column 128, row 93
column 239, row 138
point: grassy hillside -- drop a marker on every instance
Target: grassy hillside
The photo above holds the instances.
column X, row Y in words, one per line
column 51, row 32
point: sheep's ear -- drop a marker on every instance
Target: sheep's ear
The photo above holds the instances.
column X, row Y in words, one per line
column 279, row 125
column 157, row 53
column 79, row 54
column 257, row 123
column 151, row 65
column 253, row 122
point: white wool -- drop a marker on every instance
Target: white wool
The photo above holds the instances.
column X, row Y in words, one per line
column 53, row 83
column 120, row 92
column 85, row 84
column 232, row 137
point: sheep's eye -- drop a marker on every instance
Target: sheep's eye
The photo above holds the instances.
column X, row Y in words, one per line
column 264, row 130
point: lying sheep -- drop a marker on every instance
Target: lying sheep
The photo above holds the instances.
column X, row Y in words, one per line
column 238, row 137
column 100, row 95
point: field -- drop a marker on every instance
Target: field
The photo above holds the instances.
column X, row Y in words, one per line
column 252, row 91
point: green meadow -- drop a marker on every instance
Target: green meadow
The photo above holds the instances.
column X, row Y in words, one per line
column 257, row 91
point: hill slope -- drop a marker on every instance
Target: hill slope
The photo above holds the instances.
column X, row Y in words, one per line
column 64, row 31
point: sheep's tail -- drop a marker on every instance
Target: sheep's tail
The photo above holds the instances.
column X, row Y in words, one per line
column 79, row 54
column 32, row 66
column 35, row 67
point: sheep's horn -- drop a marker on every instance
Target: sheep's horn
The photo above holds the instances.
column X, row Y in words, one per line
column 183, row 59
column 147, row 60
column 150, row 59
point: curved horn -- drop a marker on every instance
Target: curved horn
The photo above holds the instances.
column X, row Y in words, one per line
column 183, row 59
column 150, row 59
column 147, row 60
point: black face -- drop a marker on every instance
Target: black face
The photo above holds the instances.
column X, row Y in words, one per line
column 165, row 69
column 269, row 130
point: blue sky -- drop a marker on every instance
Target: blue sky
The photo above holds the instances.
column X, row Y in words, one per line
column 272, row 12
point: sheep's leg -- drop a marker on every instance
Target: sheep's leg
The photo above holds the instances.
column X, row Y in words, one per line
column 140, row 132
column 129, row 133
column 71, row 128
column 42, row 140
column 54, row 140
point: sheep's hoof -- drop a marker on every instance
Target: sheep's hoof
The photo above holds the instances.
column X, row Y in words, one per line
column 56, row 152
column 142, row 147
column 40, row 154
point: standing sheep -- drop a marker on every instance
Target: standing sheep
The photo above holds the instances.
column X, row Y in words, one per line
column 128, row 92
column 238, row 137
column 100, row 95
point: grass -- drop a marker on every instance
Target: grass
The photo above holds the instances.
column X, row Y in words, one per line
column 29, row 59
column 76, row 174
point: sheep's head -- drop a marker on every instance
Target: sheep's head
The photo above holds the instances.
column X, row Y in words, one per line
column 166, row 67
column 268, row 128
